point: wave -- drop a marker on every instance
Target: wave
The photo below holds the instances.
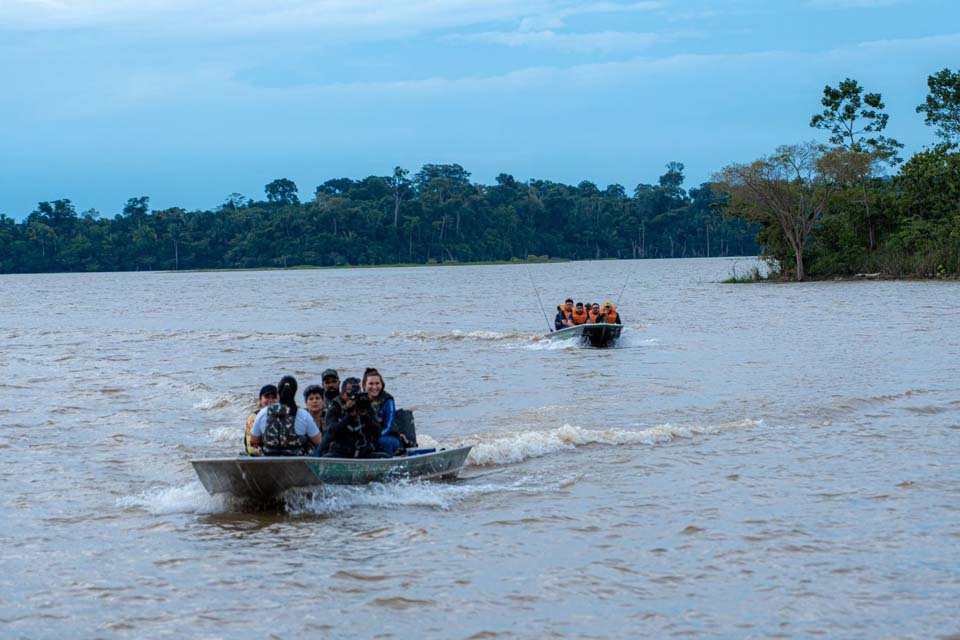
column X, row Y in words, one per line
column 627, row 340
column 185, row 498
column 492, row 449
column 457, row 335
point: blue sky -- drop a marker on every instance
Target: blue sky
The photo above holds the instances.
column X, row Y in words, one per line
column 187, row 101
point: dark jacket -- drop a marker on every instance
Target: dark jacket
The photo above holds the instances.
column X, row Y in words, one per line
column 558, row 320
column 349, row 435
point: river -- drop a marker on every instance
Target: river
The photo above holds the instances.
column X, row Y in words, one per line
column 752, row 461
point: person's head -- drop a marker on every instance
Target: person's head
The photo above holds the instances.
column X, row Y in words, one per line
column 268, row 395
column 287, row 389
column 313, row 396
column 607, row 307
column 372, row 382
column 568, row 303
column 330, row 379
column 579, row 307
column 596, row 307
column 350, row 386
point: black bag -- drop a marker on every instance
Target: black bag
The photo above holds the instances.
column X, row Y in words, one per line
column 403, row 423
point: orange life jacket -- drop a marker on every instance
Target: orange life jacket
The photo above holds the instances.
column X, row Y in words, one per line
column 566, row 314
column 611, row 316
column 580, row 318
column 593, row 316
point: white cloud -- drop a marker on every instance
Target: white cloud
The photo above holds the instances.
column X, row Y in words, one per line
column 556, row 18
column 254, row 15
column 852, row 4
column 600, row 42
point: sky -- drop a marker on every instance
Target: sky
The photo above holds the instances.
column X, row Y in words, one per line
column 189, row 101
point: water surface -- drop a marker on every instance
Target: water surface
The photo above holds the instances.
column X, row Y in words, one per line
column 753, row 461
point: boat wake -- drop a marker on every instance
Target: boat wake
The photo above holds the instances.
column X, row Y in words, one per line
column 182, row 498
column 507, row 448
column 627, row 341
column 460, row 336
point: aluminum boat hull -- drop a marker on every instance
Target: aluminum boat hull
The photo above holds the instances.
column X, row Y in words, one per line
column 267, row 477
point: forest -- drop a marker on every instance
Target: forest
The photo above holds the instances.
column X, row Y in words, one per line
column 436, row 215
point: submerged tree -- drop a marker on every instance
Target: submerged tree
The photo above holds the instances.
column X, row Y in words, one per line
column 942, row 106
column 790, row 188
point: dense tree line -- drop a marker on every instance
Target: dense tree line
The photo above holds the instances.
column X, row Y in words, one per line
column 835, row 209
column 436, row 215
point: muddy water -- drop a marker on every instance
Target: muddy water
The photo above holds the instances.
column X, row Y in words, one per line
column 753, row 461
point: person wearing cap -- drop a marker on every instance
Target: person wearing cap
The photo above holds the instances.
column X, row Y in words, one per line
column 352, row 427
column 268, row 395
column 280, row 429
column 564, row 315
column 331, row 388
column 609, row 314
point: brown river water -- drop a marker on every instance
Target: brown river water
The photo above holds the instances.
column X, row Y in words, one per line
column 752, row 461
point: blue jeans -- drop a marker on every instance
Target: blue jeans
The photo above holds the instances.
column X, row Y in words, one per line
column 388, row 444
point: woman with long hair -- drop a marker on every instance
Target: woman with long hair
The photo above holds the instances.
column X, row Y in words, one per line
column 386, row 408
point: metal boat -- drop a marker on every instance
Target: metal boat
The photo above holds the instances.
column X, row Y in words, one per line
column 595, row 335
column 265, row 477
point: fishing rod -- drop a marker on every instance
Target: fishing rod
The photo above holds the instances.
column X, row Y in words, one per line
column 623, row 288
column 538, row 298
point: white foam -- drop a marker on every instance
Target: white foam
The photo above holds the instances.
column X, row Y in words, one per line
column 186, row 498
column 484, row 336
column 332, row 499
column 220, row 401
column 502, row 448
column 226, row 434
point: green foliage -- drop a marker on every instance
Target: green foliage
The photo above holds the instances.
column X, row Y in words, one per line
column 437, row 216
column 941, row 109
column 855, row 120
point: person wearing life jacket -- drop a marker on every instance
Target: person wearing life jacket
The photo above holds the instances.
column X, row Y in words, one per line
column 353, row 428
column 579, row 315
column 268, row 395
column 564, row 317
column 280, row 429
column 610, row 315
column 593, row 315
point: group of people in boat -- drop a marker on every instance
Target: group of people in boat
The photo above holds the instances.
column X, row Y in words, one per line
column 355, row 418
column 570, row 315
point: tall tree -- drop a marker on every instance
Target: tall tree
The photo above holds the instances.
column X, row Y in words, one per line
column 282, row 191
column 855, row 121
column 942, row 106
column 400, row 189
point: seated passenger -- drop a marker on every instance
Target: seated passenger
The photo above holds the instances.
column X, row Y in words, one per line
column 313, row 397
column 280, row 429
column 268, row 395
column 383, row 404
column 610, row 315
column 564, row 317
column 331, row 388
column 353, row 428
column 579, row 314
column 593, row 316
